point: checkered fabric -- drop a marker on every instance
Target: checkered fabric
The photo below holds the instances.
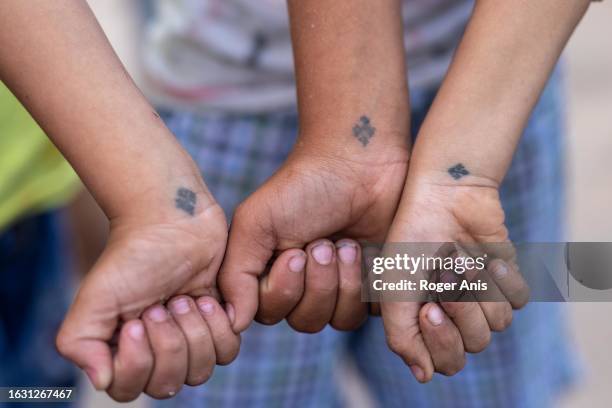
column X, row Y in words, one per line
column 526, row 366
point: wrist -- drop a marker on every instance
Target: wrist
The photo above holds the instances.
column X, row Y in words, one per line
column 163, row 184
column 364, row 166
column 365, row 139
column 450, row 174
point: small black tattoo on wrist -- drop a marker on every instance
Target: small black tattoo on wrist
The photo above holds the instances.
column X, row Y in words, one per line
column 458, row 171
column 185, row 200
column 363, row 131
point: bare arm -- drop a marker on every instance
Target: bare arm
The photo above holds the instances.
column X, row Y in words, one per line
column 57, row 61
column 350, row 70
column 345, row 174
column 495, row 80
column 459, row 160
column 167, row 234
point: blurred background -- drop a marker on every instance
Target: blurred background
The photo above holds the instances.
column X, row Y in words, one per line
column 588, row 67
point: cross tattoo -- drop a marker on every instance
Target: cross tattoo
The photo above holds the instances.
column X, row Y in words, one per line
column 185, row 200
column 363, row 131
column 458, row 171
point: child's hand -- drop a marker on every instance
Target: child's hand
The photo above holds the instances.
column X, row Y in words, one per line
column 315, row 194
column 150, row 258
column 169, row 346
column 435, row 336
column 313, row 288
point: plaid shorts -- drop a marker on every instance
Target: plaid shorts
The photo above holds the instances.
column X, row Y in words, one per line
column 526, row 366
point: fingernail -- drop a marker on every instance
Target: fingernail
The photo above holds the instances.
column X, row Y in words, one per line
column 181, row 306
column 500, row 270
column 323, row 254
column 207, row 308
column 296, row 263
column 347, row 254
column 434, row 315
column 231, row 314
column 136, row 330
column 418, row 372
column 158, row 314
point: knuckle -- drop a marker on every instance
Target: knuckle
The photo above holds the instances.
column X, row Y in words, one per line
column 478, row 345
column 507, row 320
column 452, row 367
column 266, row 319
column 197, row 336
column 201, row 377
column 502, row 319
column 62, row 344
column 310, row 327
column 228, row 357
column 320, row 289
column 350, row 285
column 172, row 345
column 397, row 345
column 344, row 325
column 522, row 298
column 454, row 309
column 289, row 295
column 67, row 345
column 122, row 396
column 324, row 288
column 141, row 362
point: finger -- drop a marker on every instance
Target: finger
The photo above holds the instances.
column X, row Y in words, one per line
column 316, row 308
column 471, row 322
column 494, row 305
column 200, row 348
column 466, row 314
column 84, row 335
column 401, row 319
column 494, row 250
column 350, row 311
column 403, row 332
column 170, row 352
column 281, row 290
column 496, row 309
column 226, row 342
column 510, row 282
column 443, row 340
column 504, row 271
column 249, row 248
column 498, row 315
column 133, row 363
column 369, row 253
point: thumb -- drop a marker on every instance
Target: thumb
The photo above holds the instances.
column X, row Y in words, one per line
column 84, row 339
column 401, row 323
column 250, row 246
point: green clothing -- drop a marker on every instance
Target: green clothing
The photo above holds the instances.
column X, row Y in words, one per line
column 34, row 176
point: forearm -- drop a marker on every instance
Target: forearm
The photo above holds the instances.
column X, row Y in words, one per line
column 495, row 80
column 350, row 71
column 57, row 61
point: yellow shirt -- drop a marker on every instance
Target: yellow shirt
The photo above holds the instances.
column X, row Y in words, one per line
column 34, row 176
